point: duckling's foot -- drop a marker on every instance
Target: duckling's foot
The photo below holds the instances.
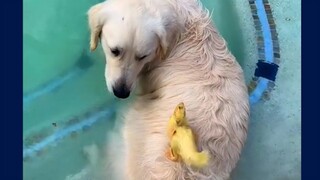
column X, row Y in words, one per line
column 170, row 155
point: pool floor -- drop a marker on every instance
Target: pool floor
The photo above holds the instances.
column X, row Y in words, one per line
column 273, row 149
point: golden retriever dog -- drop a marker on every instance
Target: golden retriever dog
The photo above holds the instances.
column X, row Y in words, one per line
column 166, row 52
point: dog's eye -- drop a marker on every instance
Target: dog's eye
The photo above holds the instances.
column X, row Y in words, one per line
column 140, row 58
column 115, row 52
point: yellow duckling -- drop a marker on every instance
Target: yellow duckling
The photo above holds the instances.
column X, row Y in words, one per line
column 182, row 140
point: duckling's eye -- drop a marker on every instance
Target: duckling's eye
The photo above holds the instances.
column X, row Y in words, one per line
column 115, row 52
column 140, row 58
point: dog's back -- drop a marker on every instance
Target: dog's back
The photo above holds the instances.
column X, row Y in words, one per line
column 203, row 74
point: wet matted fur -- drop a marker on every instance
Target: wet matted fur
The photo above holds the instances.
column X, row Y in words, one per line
column 189, row 63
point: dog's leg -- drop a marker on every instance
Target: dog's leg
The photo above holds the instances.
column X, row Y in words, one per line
column 155, row 163
column 133, row 153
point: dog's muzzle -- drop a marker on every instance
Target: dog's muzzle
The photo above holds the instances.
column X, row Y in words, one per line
column 121, row 91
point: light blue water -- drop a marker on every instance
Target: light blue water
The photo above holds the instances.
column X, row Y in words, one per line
column 64, row 86
column 62, row 81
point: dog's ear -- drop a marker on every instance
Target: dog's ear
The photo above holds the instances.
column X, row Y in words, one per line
column 97, row 17
column 168, row 31
column 163, row 42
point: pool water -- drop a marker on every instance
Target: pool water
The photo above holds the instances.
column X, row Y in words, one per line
column 64, row 87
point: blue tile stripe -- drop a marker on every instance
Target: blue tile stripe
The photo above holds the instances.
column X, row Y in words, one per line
column 266, row 48
column 80, row 67
column 51, row 86
column 86, row 122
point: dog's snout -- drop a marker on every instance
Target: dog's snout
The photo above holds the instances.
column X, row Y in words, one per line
column 121, row 91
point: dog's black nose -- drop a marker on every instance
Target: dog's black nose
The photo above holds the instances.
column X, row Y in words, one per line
column 121, row 91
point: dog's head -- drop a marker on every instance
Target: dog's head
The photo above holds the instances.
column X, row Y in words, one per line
column 131, row 35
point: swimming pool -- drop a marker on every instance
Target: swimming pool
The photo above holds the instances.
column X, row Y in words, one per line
column 60, row 75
